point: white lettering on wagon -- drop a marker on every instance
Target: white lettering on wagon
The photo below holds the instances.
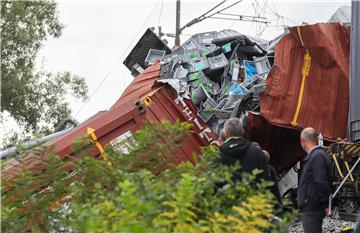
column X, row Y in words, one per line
column 188, row 113
column 204, row 131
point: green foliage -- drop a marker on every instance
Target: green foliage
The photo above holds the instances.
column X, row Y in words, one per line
column 131, row 196
column 252, row 216
column 35, row 99
column 161, row 139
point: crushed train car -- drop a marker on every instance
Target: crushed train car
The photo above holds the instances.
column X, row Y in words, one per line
column 143, row 101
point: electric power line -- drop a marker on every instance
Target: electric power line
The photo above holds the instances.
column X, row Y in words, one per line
column 276, row 13
column 205, row 16
column 161, row 9
column 119, row 60
column 233, row 23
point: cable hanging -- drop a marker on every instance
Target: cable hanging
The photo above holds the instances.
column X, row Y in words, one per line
column 119, row 59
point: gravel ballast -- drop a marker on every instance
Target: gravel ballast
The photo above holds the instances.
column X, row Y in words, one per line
column 329, row 225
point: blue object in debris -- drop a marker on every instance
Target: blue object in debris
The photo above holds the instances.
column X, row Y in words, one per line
column 250, row 70
column 237, row 89
column 226, row 47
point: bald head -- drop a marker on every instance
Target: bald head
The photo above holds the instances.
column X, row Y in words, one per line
column 308, row 138
column 309, row 134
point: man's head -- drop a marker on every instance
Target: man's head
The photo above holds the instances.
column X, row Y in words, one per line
column 233, row 128
column 308, row 138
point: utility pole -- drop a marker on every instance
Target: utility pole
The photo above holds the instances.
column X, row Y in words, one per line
column 160, row 34
column 177, row 29
column 354, row 114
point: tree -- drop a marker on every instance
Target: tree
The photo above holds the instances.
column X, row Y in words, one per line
column 35, row 99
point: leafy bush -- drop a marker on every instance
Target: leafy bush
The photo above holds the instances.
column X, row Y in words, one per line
column 133, row 195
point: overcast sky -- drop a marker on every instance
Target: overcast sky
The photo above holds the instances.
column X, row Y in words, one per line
column 100, row 34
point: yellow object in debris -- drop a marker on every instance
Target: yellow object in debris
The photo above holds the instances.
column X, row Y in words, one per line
column 337, row 166
column 348, row 169
column 305, row 72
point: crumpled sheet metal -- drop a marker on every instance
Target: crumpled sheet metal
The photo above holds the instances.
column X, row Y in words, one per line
column 323, row 102
column 180, row 86
column 282, row 143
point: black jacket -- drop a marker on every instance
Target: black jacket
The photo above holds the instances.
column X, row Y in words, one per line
column 274, row 178
column 249, row 156
column 315, row 182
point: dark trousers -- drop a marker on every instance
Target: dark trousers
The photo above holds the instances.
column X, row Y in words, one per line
column 312, row 221
column 358, row 223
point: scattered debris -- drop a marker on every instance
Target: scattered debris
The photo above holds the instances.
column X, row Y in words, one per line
column 223, row 74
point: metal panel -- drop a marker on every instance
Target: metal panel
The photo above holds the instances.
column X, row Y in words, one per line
column 317, row 58
column 138, row 54
column 355, row 72
column 282, row 143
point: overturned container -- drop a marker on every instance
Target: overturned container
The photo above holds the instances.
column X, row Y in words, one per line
column 142, row 101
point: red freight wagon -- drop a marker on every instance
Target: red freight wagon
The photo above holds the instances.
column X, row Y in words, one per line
column 144, row 100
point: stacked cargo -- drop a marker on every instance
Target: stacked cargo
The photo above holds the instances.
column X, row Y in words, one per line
column 223, row 74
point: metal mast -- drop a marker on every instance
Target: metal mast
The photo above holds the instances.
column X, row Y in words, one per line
column 177, row 28
column 354, row 116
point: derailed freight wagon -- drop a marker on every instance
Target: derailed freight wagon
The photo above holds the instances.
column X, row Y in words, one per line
column 142, row 101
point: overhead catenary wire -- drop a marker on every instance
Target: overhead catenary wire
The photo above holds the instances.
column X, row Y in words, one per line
column 205, row 16
column 261, row 10
column 198, row 19
column 241, row 15
column 160, row 14
column 235, row 3
column 246, row 20
column 276, row 13
column 243, row 12
column 119, row 59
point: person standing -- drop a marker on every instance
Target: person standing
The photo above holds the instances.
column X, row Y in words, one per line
column 315, row 183
column 272, row 174
column 273, row 177
column 237, row 149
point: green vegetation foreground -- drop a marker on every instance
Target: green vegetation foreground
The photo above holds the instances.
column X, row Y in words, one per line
column 133, row 195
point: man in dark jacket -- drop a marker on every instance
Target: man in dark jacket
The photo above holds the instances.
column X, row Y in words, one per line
column 315, row 182
column 273, row 177
column 235, row 148
column 272, row 174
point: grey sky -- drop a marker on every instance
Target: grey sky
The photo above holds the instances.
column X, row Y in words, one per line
column 98, row 33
